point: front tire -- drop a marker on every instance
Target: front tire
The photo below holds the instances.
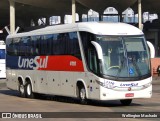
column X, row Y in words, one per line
column 126, row 102
column 82, row 96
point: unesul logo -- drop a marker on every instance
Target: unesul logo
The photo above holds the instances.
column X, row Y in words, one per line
column 33, row 63
column 128, row 84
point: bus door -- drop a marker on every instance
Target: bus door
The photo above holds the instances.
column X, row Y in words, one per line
column 93, row 71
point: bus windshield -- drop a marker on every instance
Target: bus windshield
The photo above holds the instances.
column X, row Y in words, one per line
column 124, row 57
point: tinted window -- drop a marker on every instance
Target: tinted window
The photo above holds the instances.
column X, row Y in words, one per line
column 51, row 44
column 73, row 45
column 24, row 46
column 48, row 44
column 35, row 45
column 89, row 51
column 13, row 46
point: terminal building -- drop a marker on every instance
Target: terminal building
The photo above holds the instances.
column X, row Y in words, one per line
column 29, row 15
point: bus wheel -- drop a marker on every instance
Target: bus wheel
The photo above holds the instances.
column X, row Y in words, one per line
column 22, row 90
column 29, row 92
column 82, row 96
column 126, row 102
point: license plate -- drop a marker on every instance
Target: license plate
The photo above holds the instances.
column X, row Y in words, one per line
column 129, row 95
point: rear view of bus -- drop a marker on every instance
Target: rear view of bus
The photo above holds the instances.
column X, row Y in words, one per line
column 2, row 60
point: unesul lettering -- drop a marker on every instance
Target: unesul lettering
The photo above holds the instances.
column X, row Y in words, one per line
column 129, row 85
column 35, row 63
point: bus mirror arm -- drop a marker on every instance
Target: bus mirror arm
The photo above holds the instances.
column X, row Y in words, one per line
column 98, row 49
column 152, row 49
column 100, row 55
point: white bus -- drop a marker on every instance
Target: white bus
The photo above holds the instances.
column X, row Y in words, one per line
column 97, row 61
column 2, row 59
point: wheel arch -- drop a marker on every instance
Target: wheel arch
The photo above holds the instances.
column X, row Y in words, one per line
column 20, row 81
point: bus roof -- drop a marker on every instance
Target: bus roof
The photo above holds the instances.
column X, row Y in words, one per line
column 100, row 28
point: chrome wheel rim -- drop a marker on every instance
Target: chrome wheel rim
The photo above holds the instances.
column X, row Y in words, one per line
column 21, row 88
column 82, row 94
column 29, row 89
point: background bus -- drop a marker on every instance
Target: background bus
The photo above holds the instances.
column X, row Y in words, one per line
column 2, row 60
column 99, row 61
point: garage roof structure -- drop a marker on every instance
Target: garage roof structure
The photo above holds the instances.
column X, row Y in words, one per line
column 26, row 10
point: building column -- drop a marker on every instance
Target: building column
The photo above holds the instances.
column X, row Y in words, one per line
column 120, row 16
column 12, row 16
column 73, row 11
column 87, row 17
column 62, row 19
column 80, row 17
column 100, row 17
column 140, row 14
column 47, row 21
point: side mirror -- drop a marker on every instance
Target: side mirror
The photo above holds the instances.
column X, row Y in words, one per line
column 100, row 55
column 152, row 49
column 98, row 49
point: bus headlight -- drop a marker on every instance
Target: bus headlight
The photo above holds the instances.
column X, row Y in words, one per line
column 105, row 85
column 100, row 83
column 109, row 86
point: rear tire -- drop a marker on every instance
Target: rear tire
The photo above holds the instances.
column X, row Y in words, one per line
column 82, row 95
column 126, row 102
column 29, row 92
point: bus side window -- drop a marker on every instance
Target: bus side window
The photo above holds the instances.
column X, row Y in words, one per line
column 34, row 46
column 73, row 47
column 49, row 45
column 16, row 43
column 38, row 44
column 54, row 43
column 9, row 45
column 92, row 61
